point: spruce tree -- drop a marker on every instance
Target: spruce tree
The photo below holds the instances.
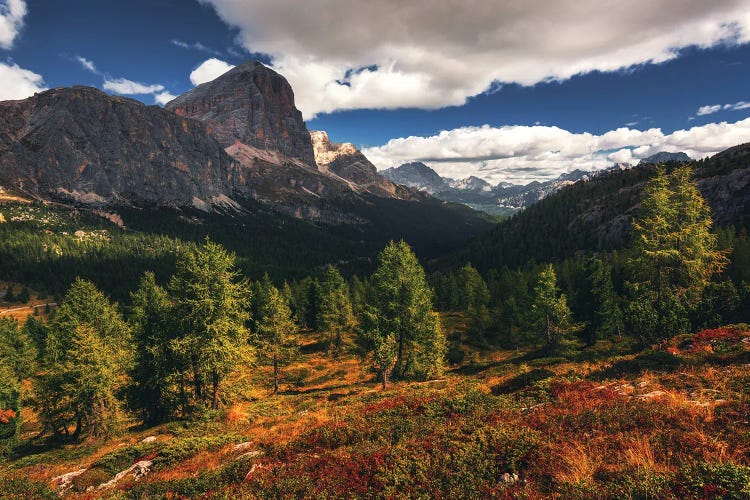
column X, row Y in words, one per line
column 211, row 304
column 475, row 297
column 17, row 350
column 552, row 319
column 607, row 318
column 277, row 332
column 402, row 310
column 336, row 317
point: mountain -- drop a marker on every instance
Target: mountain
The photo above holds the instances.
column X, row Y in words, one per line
column 597, row 215
column 347, row 162
column 81, row 145
column 664, row 157
column 477, row 192
column 418, row 176
column 236, row 145
column 250, row 104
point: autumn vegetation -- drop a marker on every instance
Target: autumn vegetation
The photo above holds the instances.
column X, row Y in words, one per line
column 608, row 375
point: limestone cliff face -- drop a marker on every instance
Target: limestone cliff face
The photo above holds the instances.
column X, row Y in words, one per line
column 251, row 104
column 83, row 145
column 347, row 162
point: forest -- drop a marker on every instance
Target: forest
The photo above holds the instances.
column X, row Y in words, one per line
column 160, row 328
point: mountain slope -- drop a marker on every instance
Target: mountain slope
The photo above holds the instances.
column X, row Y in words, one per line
column 597, row 215
column 80, row 144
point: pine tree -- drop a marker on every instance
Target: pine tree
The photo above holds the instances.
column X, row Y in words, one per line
column 152, row 320
column 675, row 253
column 552, row 319
column 210, row 302
column 88, row 348
column 402, row 310
column 336, row 316
column 276, row 334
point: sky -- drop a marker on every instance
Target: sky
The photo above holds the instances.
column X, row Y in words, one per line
column 505, row 90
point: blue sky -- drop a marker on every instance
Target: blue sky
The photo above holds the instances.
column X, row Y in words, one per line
column 573, row 81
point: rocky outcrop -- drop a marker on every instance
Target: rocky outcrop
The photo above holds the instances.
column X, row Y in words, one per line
column 80, row 144
column 251, row 104
column 347, row 162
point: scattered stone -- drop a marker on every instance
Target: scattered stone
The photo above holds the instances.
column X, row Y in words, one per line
column 148, row 439
column 251, row 454
column 137, row 470
column 66, row 480
column 254, row 468
column 509, row 478
column 242, row 446
column 651, row 395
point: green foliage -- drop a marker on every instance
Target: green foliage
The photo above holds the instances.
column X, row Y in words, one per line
column 675, row 253
column 400, row 327
column 153, row 323
column 336, row 316
column 717, row 480
column 10, row 408
column 552, row 320
column 17, row 350
column 276, row 331
column 87, row 351
column 211, row 303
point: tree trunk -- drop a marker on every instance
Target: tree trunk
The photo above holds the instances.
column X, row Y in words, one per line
column 397, row 367
column 385, row 378
column 198, row 386
column 275, row 373
column 79, row 425
column 215, row 397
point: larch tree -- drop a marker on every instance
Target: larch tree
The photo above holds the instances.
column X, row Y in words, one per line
column 552, row 319
column 88, row 349
column 152, row 320
column 211, row 304
column 336, row 316
column 675, row 254
column 402, row 318
column 276, row 331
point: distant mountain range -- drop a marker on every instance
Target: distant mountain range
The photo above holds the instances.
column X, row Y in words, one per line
column 505, row 197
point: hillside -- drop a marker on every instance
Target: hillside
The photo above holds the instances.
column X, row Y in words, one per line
column 596, row 215
column 664, row 423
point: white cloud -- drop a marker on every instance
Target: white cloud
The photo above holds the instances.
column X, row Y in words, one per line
column 350, row 54
column 129, row 87
column 18, row 83
column 209, row 70
column 163, row 98
column 707, row 110
column 87, row 65
column 521, row 154
column 12, row 13
column 194, row 46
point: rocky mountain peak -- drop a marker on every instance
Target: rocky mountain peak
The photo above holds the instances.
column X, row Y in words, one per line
column 327, row 152
column 251, row 104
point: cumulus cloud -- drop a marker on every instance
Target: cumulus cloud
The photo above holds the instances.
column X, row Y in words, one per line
column 209, row 69
column 521, row 154
column 18, row 83
column 163, row 98
column 129, row 87
column 350, row 54
column 12, row 13
column 707, row 110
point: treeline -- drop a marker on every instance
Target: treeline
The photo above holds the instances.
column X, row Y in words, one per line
column 168, row 355
column 676, row 276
